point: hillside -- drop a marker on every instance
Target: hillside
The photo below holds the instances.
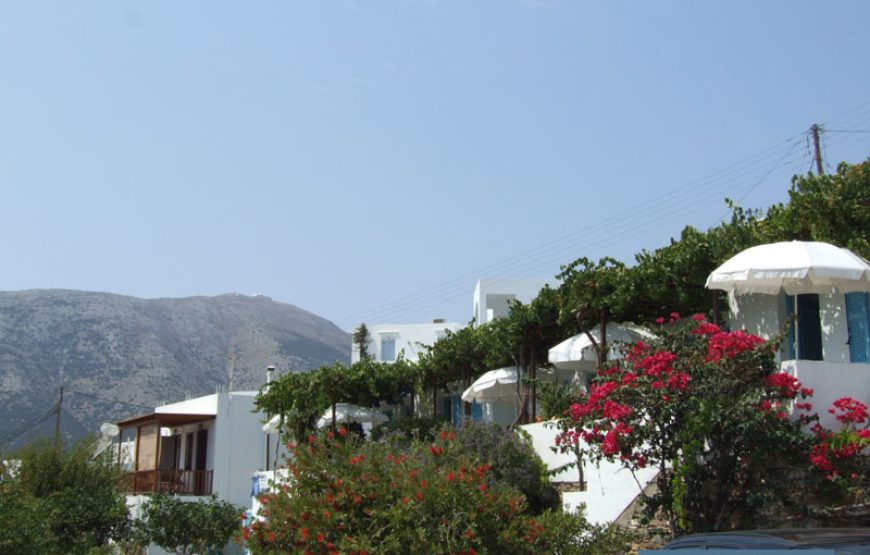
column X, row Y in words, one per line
column 118, row 356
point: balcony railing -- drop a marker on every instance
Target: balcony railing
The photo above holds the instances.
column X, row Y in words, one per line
column 180, row 482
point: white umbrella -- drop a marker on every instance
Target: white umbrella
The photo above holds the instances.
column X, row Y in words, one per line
column 578, row 352
column 273, row 425
column 796, row 267
column 494, row 385
column 345, row 412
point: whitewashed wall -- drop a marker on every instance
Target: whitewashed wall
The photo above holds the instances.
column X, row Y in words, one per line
column 610, row 490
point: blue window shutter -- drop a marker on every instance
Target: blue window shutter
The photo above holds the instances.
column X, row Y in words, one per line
column 809, row 327
column 789, row 313
column 456, row 403
column 859, row 327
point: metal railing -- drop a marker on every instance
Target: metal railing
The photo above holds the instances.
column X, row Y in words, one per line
column 180, row 482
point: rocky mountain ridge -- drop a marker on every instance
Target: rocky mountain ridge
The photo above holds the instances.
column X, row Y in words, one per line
column 118, row 356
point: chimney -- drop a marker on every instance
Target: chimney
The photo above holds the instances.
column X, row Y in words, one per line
column 270, row 370
column 438, row 321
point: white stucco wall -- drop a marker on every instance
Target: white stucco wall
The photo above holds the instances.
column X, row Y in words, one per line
column 765, row 315
column 830, row 381
column 610, row 488
column 239, row 446
column 411, row 339
column 491, row 295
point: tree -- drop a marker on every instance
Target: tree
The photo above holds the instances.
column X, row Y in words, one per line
column 361, row 339
column 352, row 496
column 708, row 409
column 60, row 500
column 192, row 527
column 460, row 357
column 830, row 208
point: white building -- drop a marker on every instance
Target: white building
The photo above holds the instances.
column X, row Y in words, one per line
column 388, row 342
column 492, row 296
column 194, row 448
column 828, row 348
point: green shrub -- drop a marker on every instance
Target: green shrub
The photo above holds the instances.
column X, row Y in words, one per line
column 513, row 461
column 407, row 430
column 189, row 527
column 351, row 496
column 60, row 501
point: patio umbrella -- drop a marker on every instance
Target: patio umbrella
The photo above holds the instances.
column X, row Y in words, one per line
column 796, row 267
column 578, row 352
column 345, row 412
column 494, row 385
column 273, row 425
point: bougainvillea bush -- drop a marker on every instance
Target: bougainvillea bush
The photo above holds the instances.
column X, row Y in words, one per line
column 842, row 455
column 347, row 495
column 709, row 409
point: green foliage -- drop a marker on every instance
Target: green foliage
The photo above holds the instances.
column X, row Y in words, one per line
column 362, row 338
column 302, row 397
column 513, row 461
column 60, row 501
column 191, row 527
column 829, row 208
column 408, row 430
column 352, row 496
column 461, row 356
column 555, row 398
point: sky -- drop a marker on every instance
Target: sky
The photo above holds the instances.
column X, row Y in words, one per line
column 369, row 160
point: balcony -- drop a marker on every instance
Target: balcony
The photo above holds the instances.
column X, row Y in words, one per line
column 177, row 482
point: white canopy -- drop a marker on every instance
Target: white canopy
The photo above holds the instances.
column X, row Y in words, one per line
column 495, row 385
column 795, row 267
column 345, row 412
column 273, row 425
column 578, row 352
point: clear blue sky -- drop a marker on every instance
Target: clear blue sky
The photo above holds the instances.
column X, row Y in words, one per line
column 368, row 160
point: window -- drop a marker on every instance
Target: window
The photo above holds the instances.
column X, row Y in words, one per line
column 859, row 326
column 388, row 348
column 805, row 334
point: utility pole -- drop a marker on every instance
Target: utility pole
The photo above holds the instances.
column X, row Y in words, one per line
column 815, row 130
column 57, row 419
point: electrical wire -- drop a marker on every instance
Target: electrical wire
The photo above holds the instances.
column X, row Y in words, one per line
column 113, row 401
column 743, row 176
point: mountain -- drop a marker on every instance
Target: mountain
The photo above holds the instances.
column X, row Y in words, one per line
column 119, row 356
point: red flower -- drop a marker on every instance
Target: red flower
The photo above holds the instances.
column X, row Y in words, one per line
column 850, row 410
column 707, row 329
column 731, row 344
column 610, row 446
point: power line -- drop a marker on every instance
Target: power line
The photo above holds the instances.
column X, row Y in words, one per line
column 743, row 176
column 694, row 192
column 113, row 401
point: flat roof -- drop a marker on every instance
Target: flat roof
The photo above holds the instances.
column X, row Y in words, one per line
column 166, row 419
